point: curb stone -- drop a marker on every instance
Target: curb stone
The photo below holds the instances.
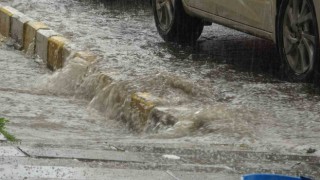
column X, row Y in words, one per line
column 30, row 32
column 5, row 20
column 87, row 55
column 55, row 52
column 144, row 103
column 42, row 38
column 17, row 29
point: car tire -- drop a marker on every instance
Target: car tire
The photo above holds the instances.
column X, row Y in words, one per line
column 174, row 24
column 298, row 39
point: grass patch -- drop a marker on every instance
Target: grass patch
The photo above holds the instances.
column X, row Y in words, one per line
column 3, row 131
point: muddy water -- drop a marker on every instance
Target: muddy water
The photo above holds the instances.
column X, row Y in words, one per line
column 227, row 86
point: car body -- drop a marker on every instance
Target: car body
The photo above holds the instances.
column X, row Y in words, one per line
column 291, row 24
column 256, row 17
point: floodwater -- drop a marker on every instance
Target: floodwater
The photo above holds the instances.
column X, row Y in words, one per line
column 227, row 89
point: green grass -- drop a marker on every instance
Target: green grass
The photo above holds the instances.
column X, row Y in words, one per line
column 3, row 131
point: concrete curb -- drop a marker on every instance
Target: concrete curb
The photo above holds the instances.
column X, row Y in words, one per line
column 144, row 103
column 36, row 38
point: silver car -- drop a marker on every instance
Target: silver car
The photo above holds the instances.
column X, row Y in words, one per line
column 291, row 24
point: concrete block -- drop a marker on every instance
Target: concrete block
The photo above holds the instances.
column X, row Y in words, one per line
column 31, row 29
column 5, row 20
column 86, row 55
column 18, row 22
column 55, row 52
column 144, row 103
column 68, row 51
column 11, row 9
column 42, row 39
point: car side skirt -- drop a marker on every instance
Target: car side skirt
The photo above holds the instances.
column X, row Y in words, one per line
column 229, row 23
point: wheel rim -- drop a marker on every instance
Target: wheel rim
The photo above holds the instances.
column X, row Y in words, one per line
column 165, row 13
column 299, row 36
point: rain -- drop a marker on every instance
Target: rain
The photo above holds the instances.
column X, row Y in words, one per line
column 218, row 108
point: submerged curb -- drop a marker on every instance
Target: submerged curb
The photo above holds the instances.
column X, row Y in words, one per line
column 36, row 38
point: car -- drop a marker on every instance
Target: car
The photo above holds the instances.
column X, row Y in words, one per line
column 291, row 24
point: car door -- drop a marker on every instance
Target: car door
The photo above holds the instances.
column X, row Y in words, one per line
column 255, row 13
column 203, row 5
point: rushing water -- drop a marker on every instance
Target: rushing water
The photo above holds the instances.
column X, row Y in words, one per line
column 228, row 87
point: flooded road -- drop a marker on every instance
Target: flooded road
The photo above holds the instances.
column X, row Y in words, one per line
column 228, row 86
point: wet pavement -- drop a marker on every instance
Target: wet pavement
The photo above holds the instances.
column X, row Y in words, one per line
column 227, row 91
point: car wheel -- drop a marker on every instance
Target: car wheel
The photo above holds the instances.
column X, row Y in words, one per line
column 174, row 24
column 298, row 39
